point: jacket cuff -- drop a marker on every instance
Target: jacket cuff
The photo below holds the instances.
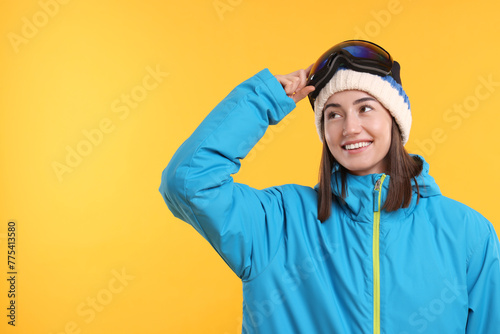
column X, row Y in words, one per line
column 285, row 103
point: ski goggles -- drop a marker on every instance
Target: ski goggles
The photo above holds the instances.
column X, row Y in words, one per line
column 358, row 55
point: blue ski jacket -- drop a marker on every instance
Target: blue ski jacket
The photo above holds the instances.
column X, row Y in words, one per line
column 433, row 267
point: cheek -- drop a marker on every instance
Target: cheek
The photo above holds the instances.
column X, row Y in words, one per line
column 384, row 129
column 332, row 135
column 386, row 132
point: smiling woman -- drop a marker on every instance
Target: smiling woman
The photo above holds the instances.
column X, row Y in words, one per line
column 357, row 130
column 363, row 134
column 370, row 246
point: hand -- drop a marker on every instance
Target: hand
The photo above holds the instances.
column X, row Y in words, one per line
column 294, row 84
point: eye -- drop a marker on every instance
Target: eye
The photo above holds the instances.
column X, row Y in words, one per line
column 365, row 108
column 332, row 114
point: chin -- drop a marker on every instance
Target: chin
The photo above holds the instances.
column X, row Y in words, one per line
column 363, row 169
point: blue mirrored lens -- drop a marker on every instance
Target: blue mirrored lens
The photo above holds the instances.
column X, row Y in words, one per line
column 322, row 64
column 360, row 51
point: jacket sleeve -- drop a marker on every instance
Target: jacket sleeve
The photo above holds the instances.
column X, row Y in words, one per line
column 483, row 285
column 243, row 224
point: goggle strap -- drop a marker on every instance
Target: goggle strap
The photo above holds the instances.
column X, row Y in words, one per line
column 395, row 72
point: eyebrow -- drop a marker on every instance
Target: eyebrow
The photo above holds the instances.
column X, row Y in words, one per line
column 358, row 101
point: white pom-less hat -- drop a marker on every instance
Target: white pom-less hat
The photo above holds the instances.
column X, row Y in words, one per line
column 384, row 88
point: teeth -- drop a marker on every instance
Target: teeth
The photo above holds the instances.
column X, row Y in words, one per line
column 356, row 145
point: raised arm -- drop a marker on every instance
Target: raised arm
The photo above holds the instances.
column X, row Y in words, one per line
column 243, row 224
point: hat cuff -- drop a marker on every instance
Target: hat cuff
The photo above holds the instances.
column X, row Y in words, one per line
column 385, row 89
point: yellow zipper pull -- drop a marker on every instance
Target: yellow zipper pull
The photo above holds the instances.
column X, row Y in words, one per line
column 375, row 194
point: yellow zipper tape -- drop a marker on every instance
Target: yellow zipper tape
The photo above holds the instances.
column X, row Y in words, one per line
column 376, row 261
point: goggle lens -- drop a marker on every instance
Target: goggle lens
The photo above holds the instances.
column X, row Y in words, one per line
column 370, row 53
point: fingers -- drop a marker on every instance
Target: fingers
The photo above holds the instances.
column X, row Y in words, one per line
column 287, row 82
column 303, row 78
column 289, row 85
column 303, row 90
column 298, row 80
column 294, row 83
column 302, row 93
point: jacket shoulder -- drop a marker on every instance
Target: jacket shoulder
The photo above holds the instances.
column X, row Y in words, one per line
column 456, row 216
column 296, row 192
column 454, row 208
column 298, row 202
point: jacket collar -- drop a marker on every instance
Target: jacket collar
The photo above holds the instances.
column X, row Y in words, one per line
column 361, row 195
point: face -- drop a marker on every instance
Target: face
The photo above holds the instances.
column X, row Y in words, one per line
column 357, row 131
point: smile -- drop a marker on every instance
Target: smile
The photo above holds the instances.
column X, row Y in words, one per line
column 356, row 145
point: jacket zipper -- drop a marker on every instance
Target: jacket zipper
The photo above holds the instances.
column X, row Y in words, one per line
column 377, row 195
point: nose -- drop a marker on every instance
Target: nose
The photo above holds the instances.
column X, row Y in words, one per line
column 352, row 125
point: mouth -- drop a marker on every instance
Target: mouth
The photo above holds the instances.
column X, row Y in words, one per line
column 356, row 146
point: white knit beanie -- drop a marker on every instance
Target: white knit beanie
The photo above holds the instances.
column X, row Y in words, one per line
column 385, row 89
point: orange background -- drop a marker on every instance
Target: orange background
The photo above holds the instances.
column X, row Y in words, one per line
column 123, row 84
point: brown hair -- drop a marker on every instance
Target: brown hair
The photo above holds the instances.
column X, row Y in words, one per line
column 401, row 167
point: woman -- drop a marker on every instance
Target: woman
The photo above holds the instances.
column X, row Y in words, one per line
column 374, row 248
